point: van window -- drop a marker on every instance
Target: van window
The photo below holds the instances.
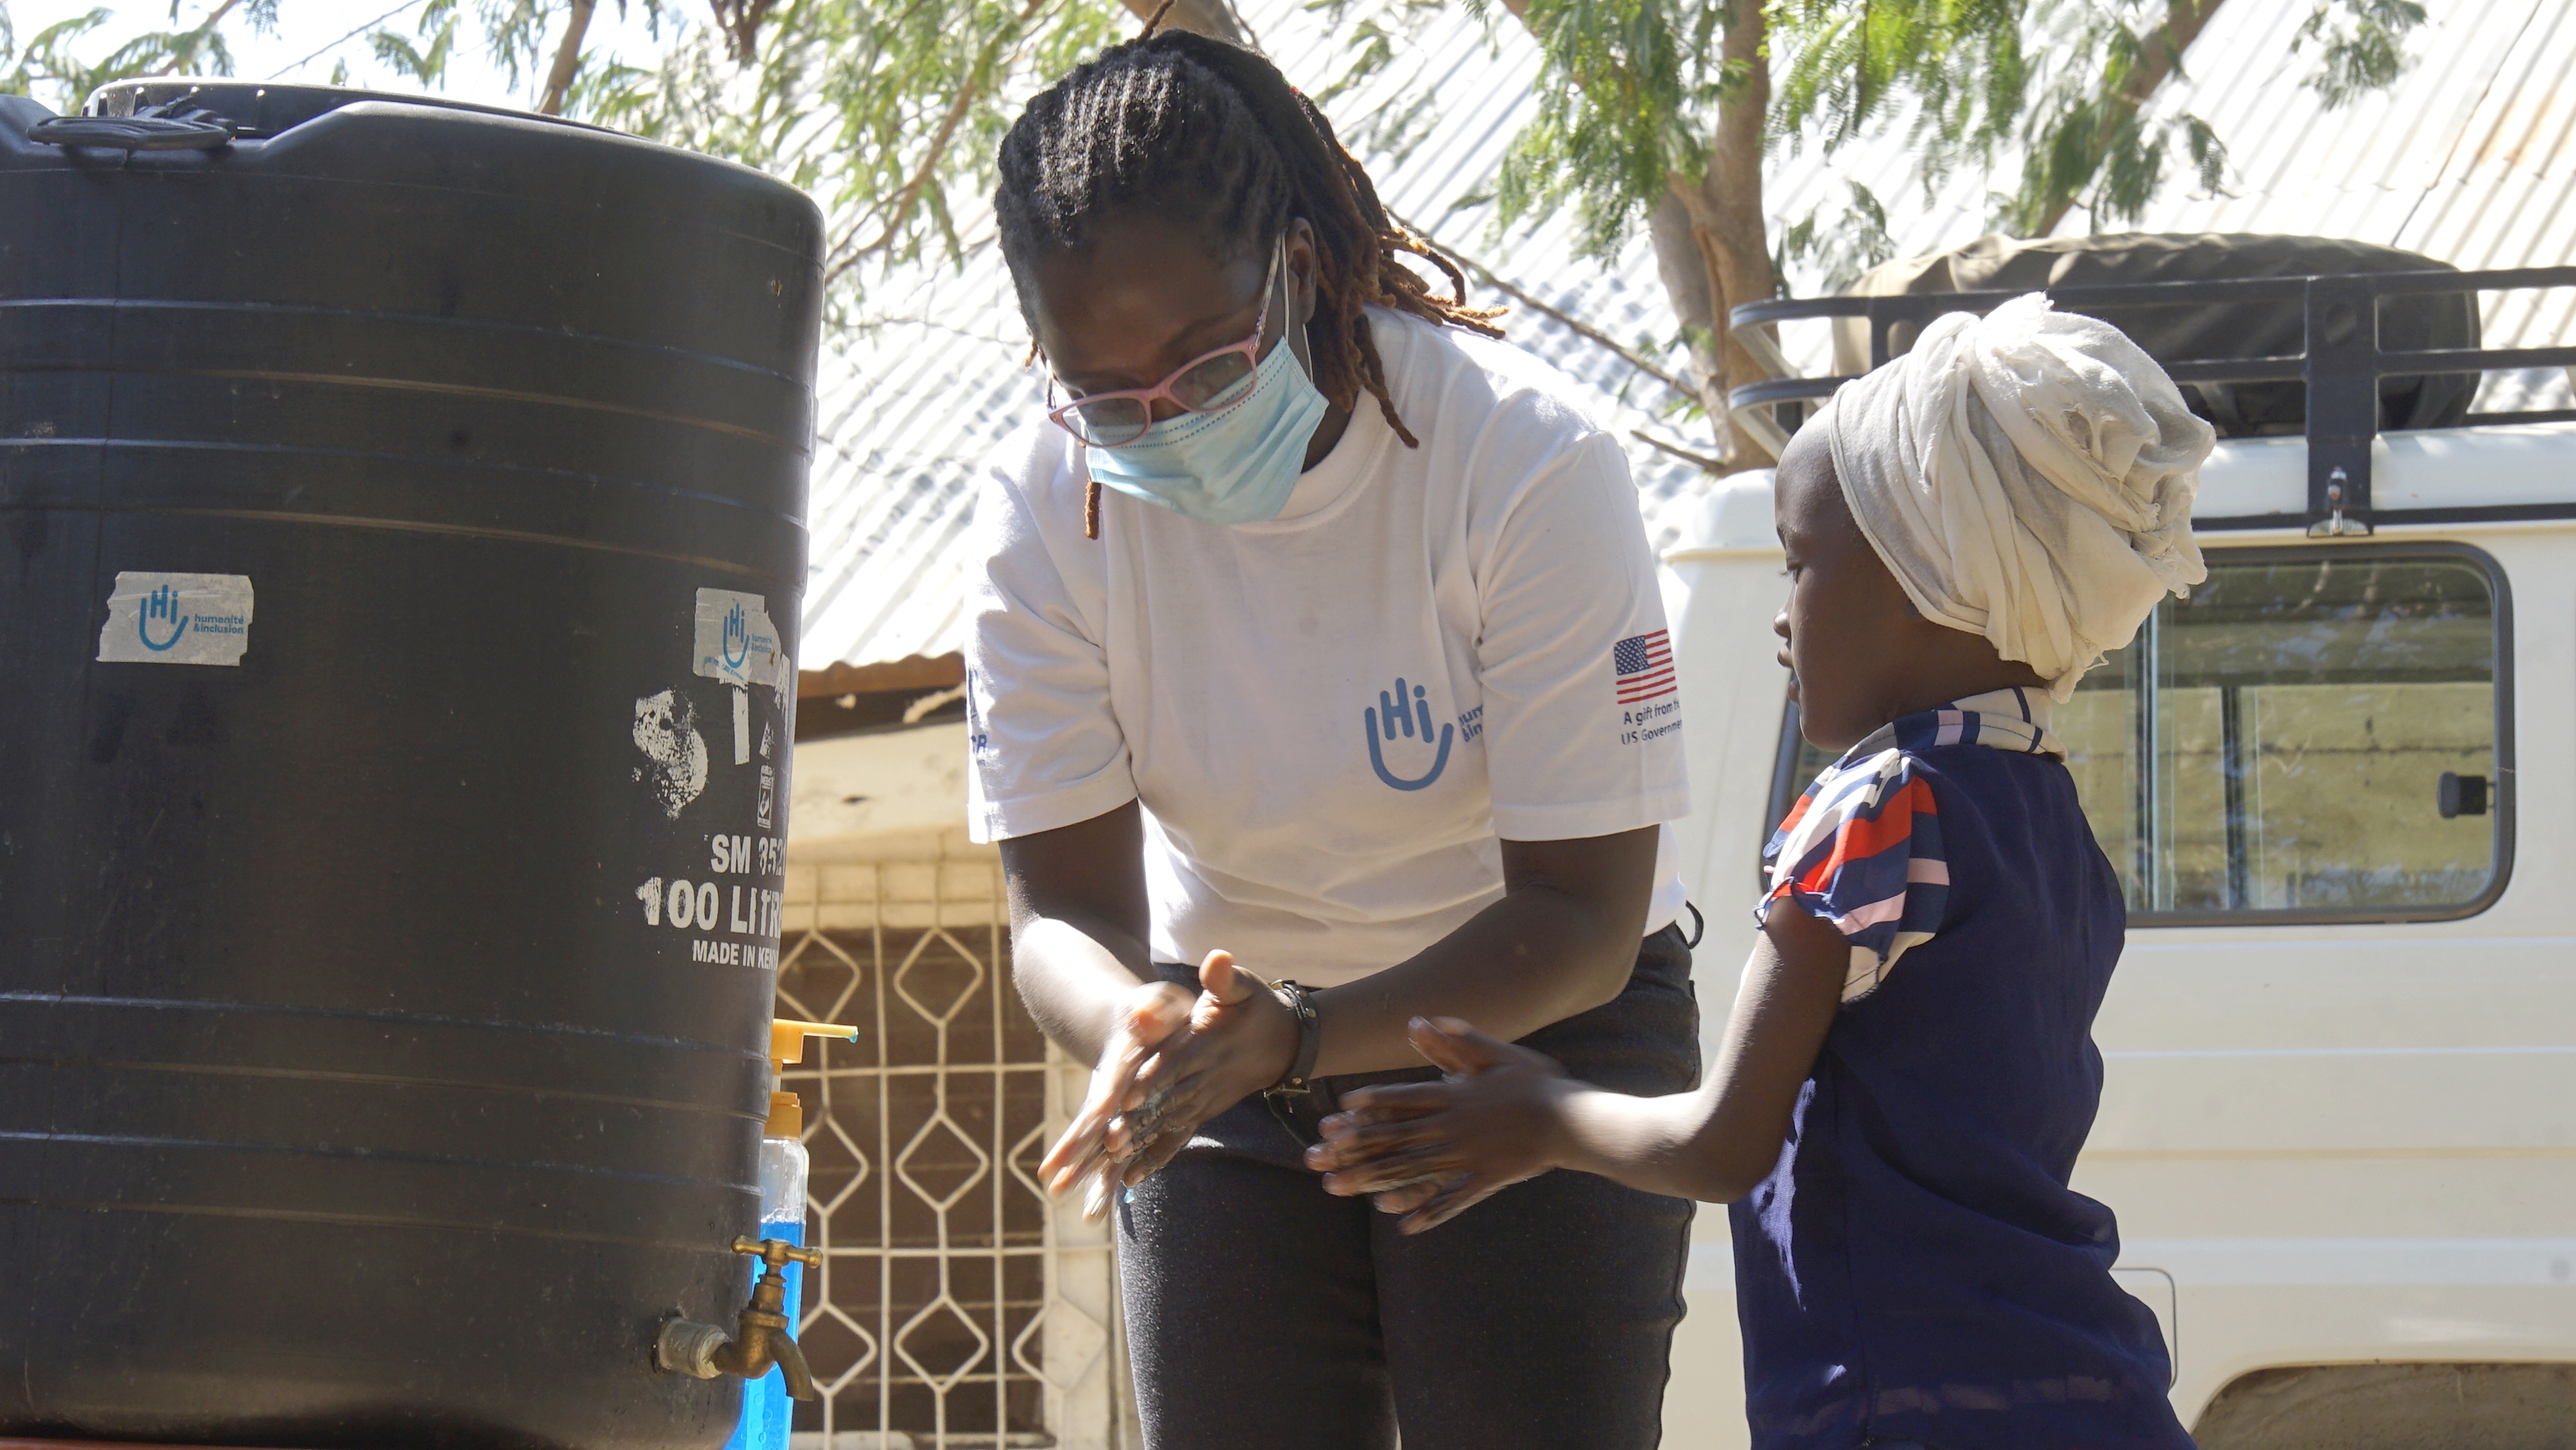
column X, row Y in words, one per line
column 2316, row 734
column 2316, row 737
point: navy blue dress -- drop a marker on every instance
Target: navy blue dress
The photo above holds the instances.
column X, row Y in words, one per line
column 1916, row 1267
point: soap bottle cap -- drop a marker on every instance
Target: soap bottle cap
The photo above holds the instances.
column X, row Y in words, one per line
column 786, row 1045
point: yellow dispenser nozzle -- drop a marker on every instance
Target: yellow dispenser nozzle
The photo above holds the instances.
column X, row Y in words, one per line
column 786, row 1045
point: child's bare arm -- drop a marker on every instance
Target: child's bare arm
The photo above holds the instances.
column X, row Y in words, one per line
column 1431, row 1150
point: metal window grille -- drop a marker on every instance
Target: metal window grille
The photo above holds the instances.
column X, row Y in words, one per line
column 955, row 1306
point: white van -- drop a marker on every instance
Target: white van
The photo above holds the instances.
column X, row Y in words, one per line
column 2339, row 785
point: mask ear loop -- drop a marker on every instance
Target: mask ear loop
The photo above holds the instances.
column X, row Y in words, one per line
column 1301, row 346
column 1090, row 485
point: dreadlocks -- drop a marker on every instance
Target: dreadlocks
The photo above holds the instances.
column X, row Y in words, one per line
column 1212, row 134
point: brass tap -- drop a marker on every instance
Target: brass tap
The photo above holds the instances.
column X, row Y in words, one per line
column 762, row 1335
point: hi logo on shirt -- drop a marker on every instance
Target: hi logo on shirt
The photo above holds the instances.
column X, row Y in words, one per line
column 1400, row 711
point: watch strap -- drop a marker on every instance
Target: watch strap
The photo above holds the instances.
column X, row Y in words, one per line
column 1299, row 1078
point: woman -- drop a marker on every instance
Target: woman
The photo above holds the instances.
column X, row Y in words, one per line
column 1368, row 694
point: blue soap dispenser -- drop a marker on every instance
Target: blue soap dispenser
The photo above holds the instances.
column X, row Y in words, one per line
column 766, row 1410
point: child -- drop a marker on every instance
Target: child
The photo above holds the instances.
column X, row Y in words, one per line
column 1909, row 1072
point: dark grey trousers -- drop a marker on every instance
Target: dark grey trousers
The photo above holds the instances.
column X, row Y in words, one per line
column 1264, row 1314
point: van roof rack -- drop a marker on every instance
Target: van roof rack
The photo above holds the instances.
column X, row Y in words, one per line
column 2341, row 364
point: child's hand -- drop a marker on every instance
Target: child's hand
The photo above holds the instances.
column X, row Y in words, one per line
column 1430, row 1151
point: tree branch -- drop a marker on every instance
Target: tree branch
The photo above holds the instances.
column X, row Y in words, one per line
column 567, row 58
column 899, row 211
column 740, row 22
column 2184, row 20
column 1569, row 321
column 1703, row 461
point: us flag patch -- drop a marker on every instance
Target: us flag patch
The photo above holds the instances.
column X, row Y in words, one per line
column 1645, row 666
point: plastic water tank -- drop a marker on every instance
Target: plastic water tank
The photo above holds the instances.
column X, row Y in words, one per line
column 401, row 532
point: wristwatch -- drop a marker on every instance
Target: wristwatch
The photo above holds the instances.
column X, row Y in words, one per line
column 1310, row 1040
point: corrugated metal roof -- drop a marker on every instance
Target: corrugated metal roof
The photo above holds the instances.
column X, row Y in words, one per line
column 2469, row 157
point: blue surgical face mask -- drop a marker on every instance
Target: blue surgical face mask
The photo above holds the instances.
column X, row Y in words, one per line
column 1234, row 467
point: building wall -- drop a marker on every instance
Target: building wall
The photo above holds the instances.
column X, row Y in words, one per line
column 956, row 1306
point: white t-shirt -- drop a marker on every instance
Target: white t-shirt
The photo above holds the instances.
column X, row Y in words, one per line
column 1334, row 717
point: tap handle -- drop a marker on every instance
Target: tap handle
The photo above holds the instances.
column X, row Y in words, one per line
column 776, row 1253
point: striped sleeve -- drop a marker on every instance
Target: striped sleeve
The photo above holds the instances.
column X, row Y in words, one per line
column 1862, row 850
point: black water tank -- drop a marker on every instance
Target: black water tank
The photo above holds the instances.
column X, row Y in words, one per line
column 401, row 536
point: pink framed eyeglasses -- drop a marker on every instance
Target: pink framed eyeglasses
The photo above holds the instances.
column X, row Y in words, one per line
column 1209, row 383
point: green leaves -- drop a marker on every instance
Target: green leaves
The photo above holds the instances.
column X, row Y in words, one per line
column 1631, row 89
column 425, row 62
column 888, row 110
column 2056, row 89
column 2361, row 40
column 2090, row 139
column 2082, row 137
column 1628, row 98
column 1956, row 66
column 1844, row 247
column 518, row 37
column 50, row 68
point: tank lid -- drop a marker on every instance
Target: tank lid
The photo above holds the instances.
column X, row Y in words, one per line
column 258, row 110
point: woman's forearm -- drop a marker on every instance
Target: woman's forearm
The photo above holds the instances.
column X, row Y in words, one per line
column 1074, row 975
column 1078, row 925
column 1563, row 940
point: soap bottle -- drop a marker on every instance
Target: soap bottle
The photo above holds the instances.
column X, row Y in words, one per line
column 766, row 1410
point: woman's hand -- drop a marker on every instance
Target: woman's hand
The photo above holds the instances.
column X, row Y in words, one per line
column 1239, row 1040
column 1431, row 1151
column 1149, row 1017
column 1172, row 1064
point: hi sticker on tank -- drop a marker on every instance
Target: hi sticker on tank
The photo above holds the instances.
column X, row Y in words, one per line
column 176, row 619
column 735, row 641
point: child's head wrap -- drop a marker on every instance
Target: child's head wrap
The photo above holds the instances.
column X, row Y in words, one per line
column 2027, row 476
